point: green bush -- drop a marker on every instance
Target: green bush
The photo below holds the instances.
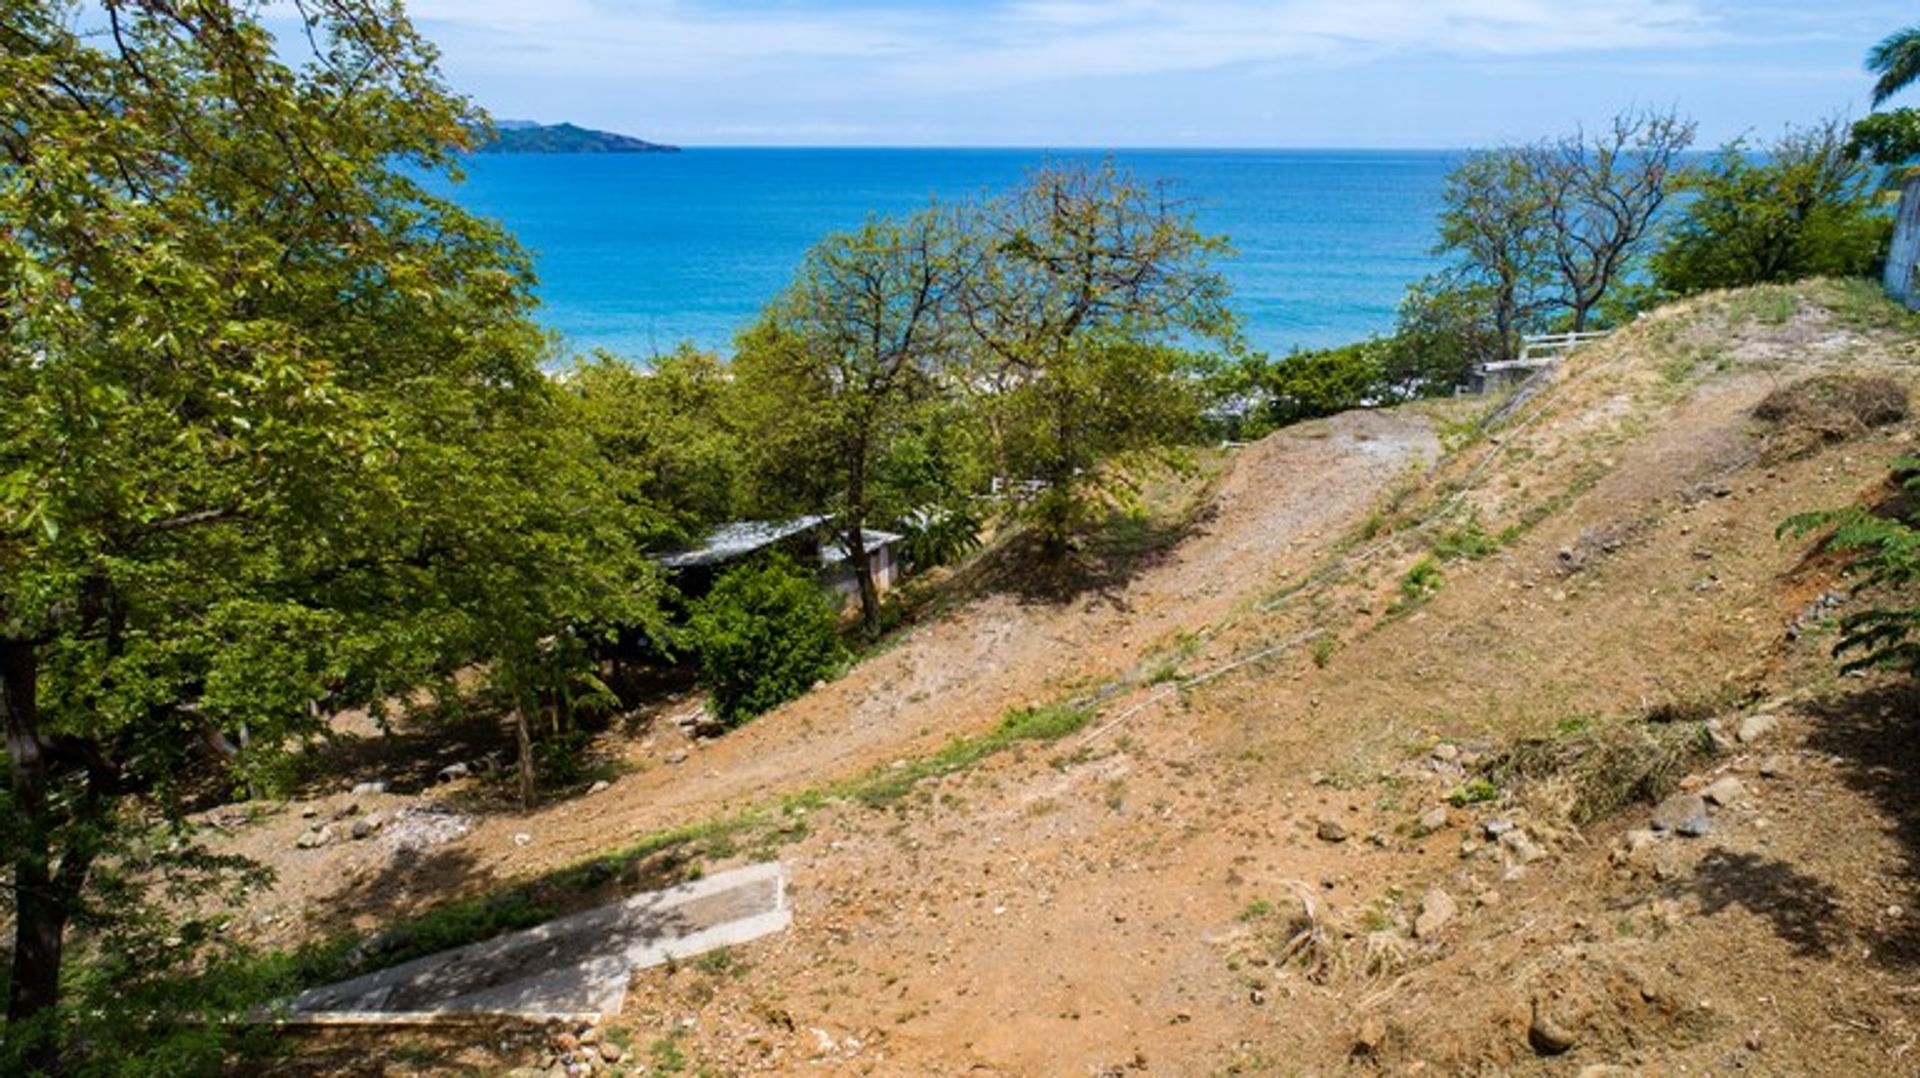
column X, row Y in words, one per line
column 1308, row 385
column 763, row 635
column 1803, row 208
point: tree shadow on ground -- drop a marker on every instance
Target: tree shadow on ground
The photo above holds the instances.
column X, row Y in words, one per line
column 1874, row 732
column 1098, row 566
column 1804, row 910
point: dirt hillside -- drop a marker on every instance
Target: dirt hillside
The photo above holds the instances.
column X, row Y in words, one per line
column 1378, row 745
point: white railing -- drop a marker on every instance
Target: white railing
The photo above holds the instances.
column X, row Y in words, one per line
column 1541, row 349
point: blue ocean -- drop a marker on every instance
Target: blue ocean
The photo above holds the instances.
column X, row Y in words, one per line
column 637, row 253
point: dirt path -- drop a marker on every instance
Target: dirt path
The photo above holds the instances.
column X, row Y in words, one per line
column 954, row 677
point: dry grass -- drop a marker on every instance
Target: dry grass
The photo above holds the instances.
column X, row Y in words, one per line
column 1828, row 408
column 1587, row 772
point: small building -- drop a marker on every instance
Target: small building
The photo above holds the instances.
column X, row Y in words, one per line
column 883, row 555
column 695, row 570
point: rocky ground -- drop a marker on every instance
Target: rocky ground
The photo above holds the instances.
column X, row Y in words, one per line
column 1524, row 756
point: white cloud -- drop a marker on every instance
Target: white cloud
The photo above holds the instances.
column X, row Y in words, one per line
column 1015, row 42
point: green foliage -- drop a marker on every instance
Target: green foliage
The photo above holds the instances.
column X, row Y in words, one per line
column 1447, row 325
column 1886, row 138
column 1803, row 207
column 1467, row 540
column 670, row 437
column 274, row 435
column 1086, row 293
column 1421, row 580
column 763, row 635
column 1473, row 792
column 1882, row 552
column 1308, row 385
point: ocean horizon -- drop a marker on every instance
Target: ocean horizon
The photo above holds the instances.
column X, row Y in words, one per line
column 637, row 253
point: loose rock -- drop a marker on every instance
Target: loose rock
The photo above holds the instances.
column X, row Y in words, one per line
column 1755, row 727
column 1683, row 814
column 1331, row 830
column 314, row 838
column 1433, row 819
column 1437, row 910
column 366, row 826
column 1724, row 791
column 366, row 789
column 1519, row 848
column 1547, row 1036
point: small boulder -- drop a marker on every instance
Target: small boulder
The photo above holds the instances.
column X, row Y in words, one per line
column 1496, row 828
column 1755, row 727
column 1683, row 814
column 1446, row 753
column 452, row 772
column 1519, row 848
column 1437, row 910
column 367, row 826
column 1547, row 1036
column 1724, row 791
column 1433, row 819
column 1774, row 767
column 368, row 789
column 1331, row 830
column 315, row 837
column 600, row 787
column 677, row 756
column 610, row 1052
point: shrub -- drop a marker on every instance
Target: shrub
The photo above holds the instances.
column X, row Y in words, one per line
column 763, row 635
column 1308, row 385
column 1803, row 208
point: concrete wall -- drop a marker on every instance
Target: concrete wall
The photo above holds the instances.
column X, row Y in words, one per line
column 1904, row 255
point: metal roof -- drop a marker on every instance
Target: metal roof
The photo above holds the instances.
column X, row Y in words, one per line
column 871, row 538
column 730, row 541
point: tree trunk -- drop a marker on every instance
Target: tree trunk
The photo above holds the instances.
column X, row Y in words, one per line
column 523, row 739
column 856, row 539
column 41, row 908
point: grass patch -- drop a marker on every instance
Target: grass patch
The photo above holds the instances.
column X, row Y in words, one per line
column 1466, row 541
column 1420, row 582
column 1475, row 792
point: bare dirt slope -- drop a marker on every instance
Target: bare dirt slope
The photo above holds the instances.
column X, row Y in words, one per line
column 1251, row 865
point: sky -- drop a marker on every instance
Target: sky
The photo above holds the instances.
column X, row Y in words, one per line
column 1154, row 73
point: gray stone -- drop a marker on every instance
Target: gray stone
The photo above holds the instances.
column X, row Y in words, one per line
column 367, row 789
column 1774, row 767
column 1331, row 830
column 455, row 771
column 1437, row 910
column 600, row 787
column 610, row 1052
column 366, row 826
column 1433, row 819
column 1446, row 753
column 315, row 837
column 1519, row 848
column 1549, row 1037
column 1683, row 814
column 1755, row 727
column 1724, row 791
column 677, row 756
column 1496, row 828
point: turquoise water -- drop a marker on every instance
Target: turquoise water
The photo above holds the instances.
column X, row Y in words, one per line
column 637, row 253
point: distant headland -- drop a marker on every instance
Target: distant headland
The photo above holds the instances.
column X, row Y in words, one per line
column 520, row 136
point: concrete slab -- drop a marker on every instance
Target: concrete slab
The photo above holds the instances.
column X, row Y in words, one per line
column 576, row 967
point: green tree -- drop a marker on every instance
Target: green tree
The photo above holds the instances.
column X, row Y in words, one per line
column 1308, row 385
column 1602, row 196
column 1896, row 59
column 671, row 436
column 763, row 635
column 1445, row 327
column 1084, row 295
column 842, row 361
column 1495, row 225
column 1804, row 207
column 273, row 434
